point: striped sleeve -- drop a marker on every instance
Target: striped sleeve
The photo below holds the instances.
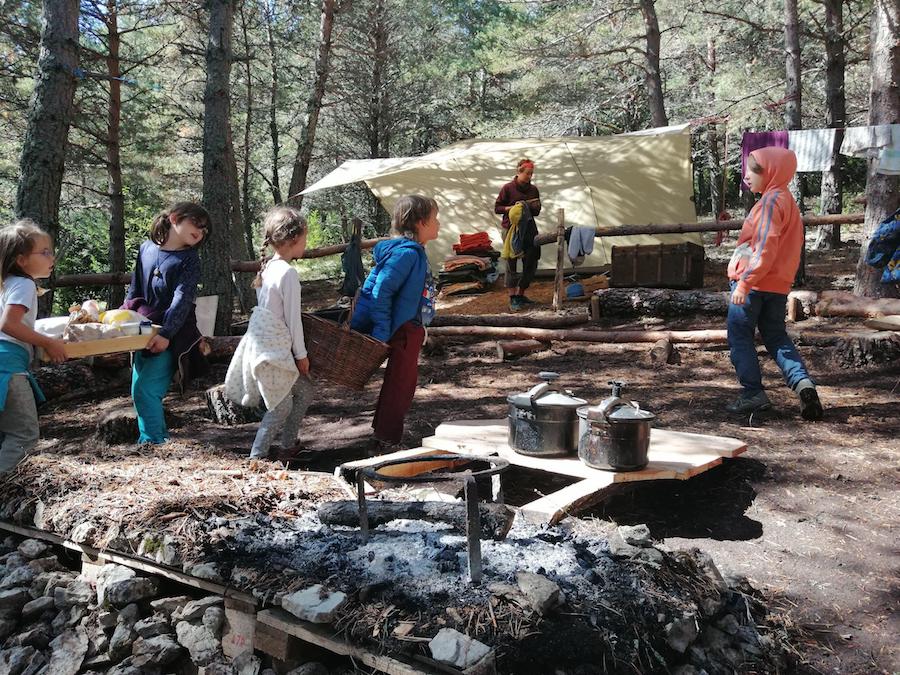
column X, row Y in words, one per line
column 765, row 243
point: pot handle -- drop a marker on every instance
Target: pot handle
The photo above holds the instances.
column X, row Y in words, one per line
column 539, row 390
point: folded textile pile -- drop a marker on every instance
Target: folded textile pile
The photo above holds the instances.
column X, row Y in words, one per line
column 474, row 267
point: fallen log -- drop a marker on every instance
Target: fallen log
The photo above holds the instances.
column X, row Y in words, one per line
column 525, row 320
column 583, row 335
column 511, row 349
column 868, row 348
column 662, row 302
column 496, row 519
column 663, row 352
column 843, row 303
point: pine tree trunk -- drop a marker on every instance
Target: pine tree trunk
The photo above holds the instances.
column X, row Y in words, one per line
column 218, row 161
column 42, row 162
column 829, row 236
column 113, row 155
column 275, row 184
column 313, row 106
column 882, row 192
column 653, row 78
column 792, row 108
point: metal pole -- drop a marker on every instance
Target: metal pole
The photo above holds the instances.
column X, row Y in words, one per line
column 363, row 510
column 473, row 529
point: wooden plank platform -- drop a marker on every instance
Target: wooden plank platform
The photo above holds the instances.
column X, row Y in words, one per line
column 672, row 454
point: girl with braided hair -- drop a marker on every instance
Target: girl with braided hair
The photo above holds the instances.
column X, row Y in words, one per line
column 270, row 363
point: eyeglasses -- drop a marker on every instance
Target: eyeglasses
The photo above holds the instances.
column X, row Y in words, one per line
column 47, row 253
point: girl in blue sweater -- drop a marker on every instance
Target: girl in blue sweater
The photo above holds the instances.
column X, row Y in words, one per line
column 394, row 306
column 163, row 288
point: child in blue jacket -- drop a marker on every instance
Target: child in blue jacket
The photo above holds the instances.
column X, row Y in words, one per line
column 394, row 306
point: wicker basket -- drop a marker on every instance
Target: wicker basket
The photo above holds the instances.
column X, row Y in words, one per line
column 339, row 354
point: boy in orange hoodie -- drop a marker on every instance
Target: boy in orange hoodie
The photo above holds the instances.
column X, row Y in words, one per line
column 761, row 271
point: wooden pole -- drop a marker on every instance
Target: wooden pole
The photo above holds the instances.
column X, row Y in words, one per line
column 583, row 335
column 558, row 289
column 513, row 348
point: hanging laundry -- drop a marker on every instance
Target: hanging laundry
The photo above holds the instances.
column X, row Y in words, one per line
column 813, row 148
column 889, row 162
column 581, row 243
column 754, row 140
column 867, row 141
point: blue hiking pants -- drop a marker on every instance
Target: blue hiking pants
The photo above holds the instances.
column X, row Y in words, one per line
column 765, row 311
column 150, row 380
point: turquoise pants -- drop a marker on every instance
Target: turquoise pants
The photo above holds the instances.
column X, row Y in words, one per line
column 150, row 380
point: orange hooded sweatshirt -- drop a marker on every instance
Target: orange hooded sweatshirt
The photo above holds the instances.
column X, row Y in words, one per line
column 773, row 229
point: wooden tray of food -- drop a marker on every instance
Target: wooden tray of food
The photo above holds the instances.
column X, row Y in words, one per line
column 116, row 345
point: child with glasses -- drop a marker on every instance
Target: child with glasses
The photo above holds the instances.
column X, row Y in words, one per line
column 26, row 254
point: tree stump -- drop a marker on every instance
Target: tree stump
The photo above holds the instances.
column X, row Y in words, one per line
column 663, row 353
column 868, row 348
column 225, row 411
column 118, row 426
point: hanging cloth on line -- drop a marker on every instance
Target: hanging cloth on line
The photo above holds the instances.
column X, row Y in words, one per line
column 814, row 148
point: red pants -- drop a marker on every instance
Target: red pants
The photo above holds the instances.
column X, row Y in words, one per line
column 399, row 384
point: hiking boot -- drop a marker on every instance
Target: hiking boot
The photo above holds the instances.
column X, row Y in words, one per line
column 515, row 303
column 745, row 405
column 377, row 447
column 810, row 405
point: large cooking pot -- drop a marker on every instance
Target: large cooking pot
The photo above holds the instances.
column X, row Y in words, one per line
column 543, row 421
column 615, row 435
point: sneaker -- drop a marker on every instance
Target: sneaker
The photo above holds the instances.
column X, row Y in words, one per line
column 810, row 405
column 377, row 447
column 525, row 300
column 515, row 303
column 750, row 404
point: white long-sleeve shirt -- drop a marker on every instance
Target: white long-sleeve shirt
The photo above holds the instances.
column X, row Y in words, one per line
column 280, row 294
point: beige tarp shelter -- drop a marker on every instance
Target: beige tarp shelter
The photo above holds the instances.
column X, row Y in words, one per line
column 629, row 179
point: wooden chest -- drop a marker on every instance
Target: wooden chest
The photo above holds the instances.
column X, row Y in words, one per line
column 657, row 266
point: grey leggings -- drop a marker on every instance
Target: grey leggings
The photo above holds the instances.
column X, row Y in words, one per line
column 285, row 418
column 18, row 423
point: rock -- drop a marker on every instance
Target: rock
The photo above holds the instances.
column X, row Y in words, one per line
column 100, row 662
column 108, row 575
column 129, row 615
column 35, row 608
column 214, row 619
column 84, row 533
column 135, row 665
column 311, row 668
column 46, row 583
column 635, row 535
column 168, row 605
column 314, row 604
column 14, row 661
column 162, row 649
column 542, row 594
column 67, row 653
column 651, row 556
column 196, row 608
column 7, row 628
column 712, row 604
column 452, row 647
column 107, row 620
column 77, row 593
column 618, row 548
column 49, row 564
column 680, row 633
column 163, row 549
column 687, row 669
column 727, row 623
column 153, row 626
column 122, row 593
column 248, row 664
column 33, row 548
column 37, row 637
column 11, row 561
column 14, row 599
column 99, row 642
column 20, row 576
column 714, row 639
column 120, row 643
column 507, row 591
column 203, row 646
column 208, row 571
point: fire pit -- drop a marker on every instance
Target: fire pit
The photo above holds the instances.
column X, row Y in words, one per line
column 495, row 466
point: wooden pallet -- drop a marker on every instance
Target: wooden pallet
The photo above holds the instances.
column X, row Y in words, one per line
column 673, row 455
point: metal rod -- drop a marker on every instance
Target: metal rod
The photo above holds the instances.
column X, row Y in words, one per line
column 363, row 510
column 473, row 529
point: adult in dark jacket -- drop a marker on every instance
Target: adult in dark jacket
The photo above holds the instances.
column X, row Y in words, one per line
column 519, row 189
column 395, row 304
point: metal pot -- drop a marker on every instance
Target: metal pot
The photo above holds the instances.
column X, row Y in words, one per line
column 543, row 421
column 615, row 435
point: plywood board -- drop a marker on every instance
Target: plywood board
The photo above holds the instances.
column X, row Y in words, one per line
column 127, row 343
column 568, row 501
column 321, row 636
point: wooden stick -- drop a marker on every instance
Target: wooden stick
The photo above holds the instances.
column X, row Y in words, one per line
column 558, row 284
column 523, row 320
column 510, row 349
column 584, row 335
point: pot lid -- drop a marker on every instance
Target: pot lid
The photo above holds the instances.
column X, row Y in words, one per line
column 559, row 399
column 627, row 413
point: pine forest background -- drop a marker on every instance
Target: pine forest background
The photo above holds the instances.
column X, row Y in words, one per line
column 306, row 85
